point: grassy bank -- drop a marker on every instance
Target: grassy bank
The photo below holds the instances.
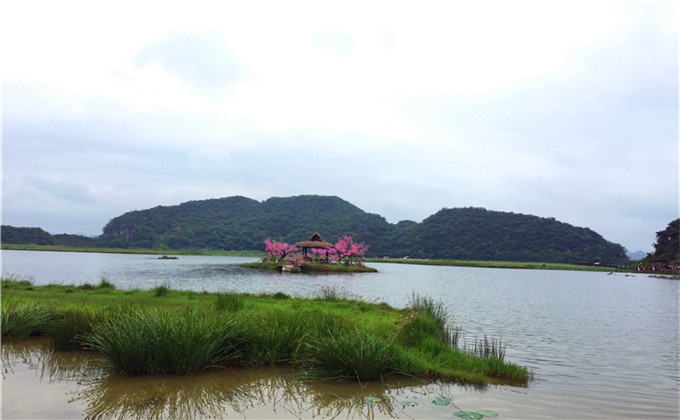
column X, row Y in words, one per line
column 329, row 335
column 314, row 267
column 492, row 264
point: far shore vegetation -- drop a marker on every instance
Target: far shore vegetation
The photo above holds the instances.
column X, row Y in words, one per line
column 328, row 335
column 260, row 254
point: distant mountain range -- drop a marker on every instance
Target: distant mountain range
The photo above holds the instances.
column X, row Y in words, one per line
column 240, row 223
column 637, row 255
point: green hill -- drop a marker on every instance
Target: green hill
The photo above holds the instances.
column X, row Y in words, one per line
column 240, row 223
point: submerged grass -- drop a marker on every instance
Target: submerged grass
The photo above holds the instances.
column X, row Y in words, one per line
column 331, row 335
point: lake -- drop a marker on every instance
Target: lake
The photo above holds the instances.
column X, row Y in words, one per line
column 600, row 345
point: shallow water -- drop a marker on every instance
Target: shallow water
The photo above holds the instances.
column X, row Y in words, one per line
column 600, row 346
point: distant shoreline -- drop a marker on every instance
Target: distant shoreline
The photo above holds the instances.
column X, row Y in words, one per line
column 59, row 248
column 258, row 254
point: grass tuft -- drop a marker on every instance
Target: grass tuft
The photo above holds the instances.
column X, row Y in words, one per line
column 231, row 302
column 21, row 319
column 162, row 290
column 344, row 353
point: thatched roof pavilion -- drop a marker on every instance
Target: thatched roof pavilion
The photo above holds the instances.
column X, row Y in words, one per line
column 315, row 241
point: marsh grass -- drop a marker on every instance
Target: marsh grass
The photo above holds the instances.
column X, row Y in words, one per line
column 427, row 305
column 162, row 290
column 155, row 342
column 344, row 353
column 231, row 302
column 68, row 331
column 21, row 319
column 486, row 348
column 104, row 283
column 327, row 336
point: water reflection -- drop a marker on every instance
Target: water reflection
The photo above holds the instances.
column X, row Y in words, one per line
column 250, row 392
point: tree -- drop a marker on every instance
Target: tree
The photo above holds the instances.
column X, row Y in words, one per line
column 346, row 248
column 667, row 244
column 277, row 250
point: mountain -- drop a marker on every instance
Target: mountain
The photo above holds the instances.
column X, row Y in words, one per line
column 241, row 223
column 37, row 236
column 637, row 255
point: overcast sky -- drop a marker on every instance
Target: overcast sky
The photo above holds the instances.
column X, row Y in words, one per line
column 565, row 110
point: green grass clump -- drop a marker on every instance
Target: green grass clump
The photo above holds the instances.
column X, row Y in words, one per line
column 21, row 319
column 154, row 342
column 162, row 290
column 104, row 283
column 229, row 302
column 344, row 353
column 68, row 331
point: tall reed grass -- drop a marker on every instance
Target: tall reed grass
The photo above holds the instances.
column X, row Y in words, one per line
column 153, row 342
column 344, row 353
column 21, row 319
column 231, row 302
column 486, row 348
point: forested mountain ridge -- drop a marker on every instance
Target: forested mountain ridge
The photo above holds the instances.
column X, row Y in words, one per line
column 240, row 223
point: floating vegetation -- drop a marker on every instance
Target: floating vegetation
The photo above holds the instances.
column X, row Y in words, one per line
column 467, row 415
column 442, row 401
column 372, row 400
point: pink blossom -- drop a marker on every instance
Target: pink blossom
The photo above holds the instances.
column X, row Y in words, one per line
column 346, row 248
column 277, row 250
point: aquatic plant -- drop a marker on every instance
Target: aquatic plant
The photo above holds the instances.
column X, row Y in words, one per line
column 21, row 319
column 426, row 304
column 487, row 348
column 68, row 331
column 161, row 290
column 349, row 353
column 104, row 283
column 143, row 342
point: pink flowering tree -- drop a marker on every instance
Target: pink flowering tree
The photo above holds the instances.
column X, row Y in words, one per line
column 322, row 254
column 347, row 248
column 276, row 251
column 296, row 258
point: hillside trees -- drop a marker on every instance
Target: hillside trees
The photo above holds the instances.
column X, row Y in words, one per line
column 667, row 245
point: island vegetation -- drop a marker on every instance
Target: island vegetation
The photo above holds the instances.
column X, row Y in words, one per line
column 330, row 335
column 240, row 223
column 317, row 255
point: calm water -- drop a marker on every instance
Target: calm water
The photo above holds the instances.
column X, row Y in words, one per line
column 600, row 346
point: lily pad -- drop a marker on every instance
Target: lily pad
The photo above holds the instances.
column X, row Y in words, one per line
column 442, row 401
column 409, row 403
column 372, row 400
column 467, row 415
column 487, row 413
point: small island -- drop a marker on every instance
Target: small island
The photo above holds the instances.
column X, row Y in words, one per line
column 314, row 255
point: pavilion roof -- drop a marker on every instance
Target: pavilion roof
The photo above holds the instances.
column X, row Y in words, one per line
column 315, row 241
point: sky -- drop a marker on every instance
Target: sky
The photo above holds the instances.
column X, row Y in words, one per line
column 556, row 109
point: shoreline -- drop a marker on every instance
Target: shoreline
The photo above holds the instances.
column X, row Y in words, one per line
column 259, row 254
column 243, row 329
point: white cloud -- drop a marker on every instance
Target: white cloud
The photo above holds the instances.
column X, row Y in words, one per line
column 557, row 109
